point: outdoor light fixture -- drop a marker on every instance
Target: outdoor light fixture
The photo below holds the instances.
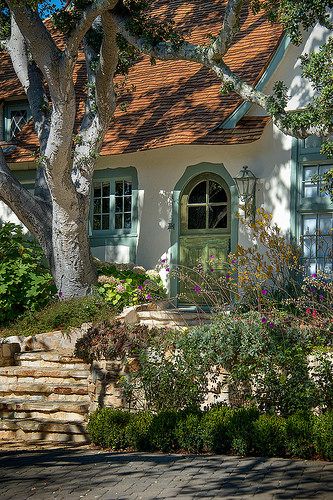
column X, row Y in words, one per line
column 246, row 186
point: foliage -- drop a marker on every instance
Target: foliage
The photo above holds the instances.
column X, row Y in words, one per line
column 323, row 435
column 107, row 427
column 189, row 433
column 113, row 340
column 137, row 431
column 269, row 436
column 121, row 286
column 299, row 435
column 25, row 282
column 60, row 315
column 217, row 430
column 172, row 372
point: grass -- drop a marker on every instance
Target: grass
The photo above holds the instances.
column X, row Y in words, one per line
column 60, row 315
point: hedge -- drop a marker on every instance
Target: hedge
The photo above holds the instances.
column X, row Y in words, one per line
column 221, row 429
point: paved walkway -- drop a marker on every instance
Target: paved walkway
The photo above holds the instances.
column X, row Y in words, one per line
column 85, row 473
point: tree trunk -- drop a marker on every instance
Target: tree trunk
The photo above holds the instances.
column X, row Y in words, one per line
column 71, row 266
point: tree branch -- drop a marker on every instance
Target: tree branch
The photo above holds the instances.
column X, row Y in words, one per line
column 99, row 107
column 229, row 28
column 88, row 16
column 40, row 42
column 34, row 215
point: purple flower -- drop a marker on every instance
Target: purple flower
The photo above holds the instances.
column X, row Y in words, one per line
column 60, row 294
column 264, row 291
column 140, row 287
column 321, row 297
column 314, row 275
column 148, row 296
column 212, row 257
column 234, row 261
column 167, row 269
column 211, row 270
column 271, row 324
column 227, row 277
column 264, row 320
column 197, row 289
column 163, row 261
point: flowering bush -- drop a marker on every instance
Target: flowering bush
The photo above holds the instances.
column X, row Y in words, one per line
column 129, row 285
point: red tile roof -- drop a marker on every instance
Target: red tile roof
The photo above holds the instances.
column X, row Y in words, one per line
column 175, row 102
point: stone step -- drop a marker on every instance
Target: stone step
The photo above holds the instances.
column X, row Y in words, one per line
column 173, row 315
column 41, row 359
column 17, row 374
column 34, row 430
column 68, row 411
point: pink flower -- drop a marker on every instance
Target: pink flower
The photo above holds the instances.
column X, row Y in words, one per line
column 197, row 289
column 314, row 275
column 264, row 291
column 148, row 296
column 314, row 313
column 308, row 310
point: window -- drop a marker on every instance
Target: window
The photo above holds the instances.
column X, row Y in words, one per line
column 314, row 208
column 16, row 115
column 112, row 205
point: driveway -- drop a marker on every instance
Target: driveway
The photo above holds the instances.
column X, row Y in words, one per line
column 93, row 474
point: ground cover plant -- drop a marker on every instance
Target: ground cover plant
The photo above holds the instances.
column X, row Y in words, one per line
column 221, row 429
column 60, row 315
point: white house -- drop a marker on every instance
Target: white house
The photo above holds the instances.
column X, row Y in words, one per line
column 164, row 183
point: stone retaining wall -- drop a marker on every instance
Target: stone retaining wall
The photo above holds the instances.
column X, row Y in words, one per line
column 7, row 353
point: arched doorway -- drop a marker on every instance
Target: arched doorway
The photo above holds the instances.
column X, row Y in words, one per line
column 205, row 222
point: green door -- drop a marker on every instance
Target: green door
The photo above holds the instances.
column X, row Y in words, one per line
column 204, row 231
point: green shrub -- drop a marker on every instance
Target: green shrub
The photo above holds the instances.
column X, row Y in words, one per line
column 189, row 433
column 60, row 315
column 299, row 435
column 138, row 431
column 269, row 435
column 240, row 429
column 122, row 286
column 25, row 282
column 163, row 431
column 323, row 435
column 107, row 428
column 113, row 340
column 215, row 424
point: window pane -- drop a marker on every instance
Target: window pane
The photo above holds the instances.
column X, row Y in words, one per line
column 105, row 205
column 17, row 119
column 118, row 221
column 309, row 172
column 119, row 188
column 324, row 249
column 309, row 225
column 312, row 142
column 127, row 187
column 216, row 193
column 97, row 206
column 105, row 221
column 127, row 203
column 119, row 204
column 106, row 189
column 326, row 224
column 197, row 217
column 310, row 190
column 218, row 217
column 97, row 190
column 198, row 193
column 127, row 221
column 96, row 222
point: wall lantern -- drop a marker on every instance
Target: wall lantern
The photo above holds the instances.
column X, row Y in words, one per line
column 246, row 183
